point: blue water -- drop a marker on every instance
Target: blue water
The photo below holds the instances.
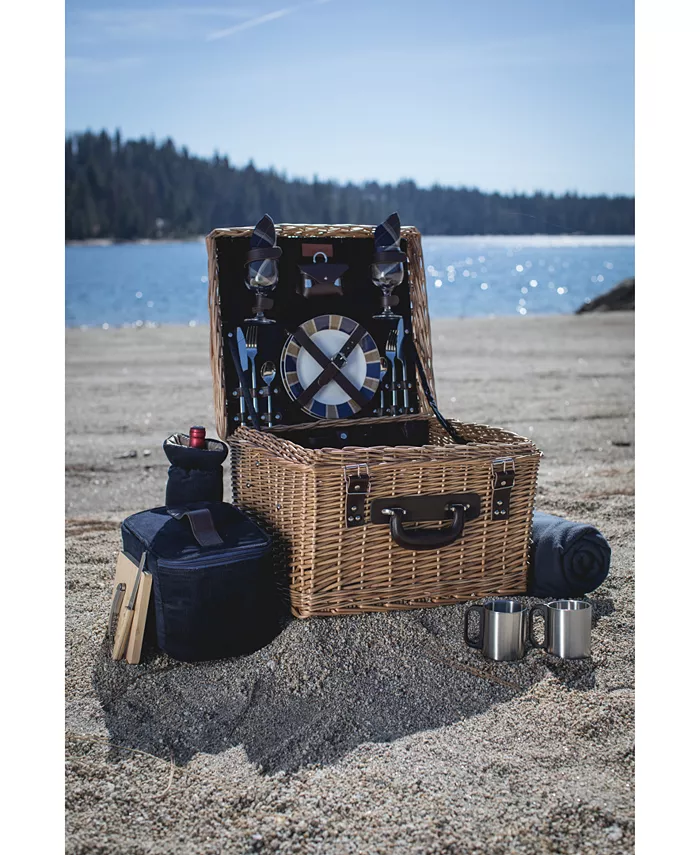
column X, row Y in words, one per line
column 166, row 283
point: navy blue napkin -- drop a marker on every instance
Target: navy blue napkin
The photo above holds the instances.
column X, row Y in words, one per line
column 567, row 559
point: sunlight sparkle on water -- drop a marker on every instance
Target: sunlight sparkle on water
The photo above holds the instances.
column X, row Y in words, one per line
column 438, row 283
column 533, row 283
column 522, row 310
column 519, row 268
column 484, row 286
column 523, row 290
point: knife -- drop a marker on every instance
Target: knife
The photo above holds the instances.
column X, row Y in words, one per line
column 401, row 357
column 243, row 356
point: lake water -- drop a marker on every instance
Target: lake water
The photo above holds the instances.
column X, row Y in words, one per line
column 166, row 283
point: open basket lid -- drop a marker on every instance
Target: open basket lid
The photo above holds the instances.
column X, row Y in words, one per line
column 354, row 304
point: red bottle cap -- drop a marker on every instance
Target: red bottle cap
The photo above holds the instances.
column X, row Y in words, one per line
column 197, row 436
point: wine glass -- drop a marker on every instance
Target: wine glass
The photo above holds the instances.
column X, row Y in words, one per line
column 261, row 279
column 387, row 275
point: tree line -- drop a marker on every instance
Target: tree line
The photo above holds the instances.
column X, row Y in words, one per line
column 142, row 189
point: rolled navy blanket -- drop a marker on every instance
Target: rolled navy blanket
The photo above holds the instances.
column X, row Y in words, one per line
column 567, row 559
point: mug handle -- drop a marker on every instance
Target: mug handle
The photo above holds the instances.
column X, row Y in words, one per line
column 538, row 609
column 479, row 642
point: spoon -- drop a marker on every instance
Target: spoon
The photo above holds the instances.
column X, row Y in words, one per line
column 383, row 368
column 269, row 372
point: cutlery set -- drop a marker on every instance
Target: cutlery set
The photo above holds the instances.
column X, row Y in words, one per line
column 395, row 356
column 247, row 349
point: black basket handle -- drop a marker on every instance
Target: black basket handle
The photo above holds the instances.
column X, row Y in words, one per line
column 422, row 538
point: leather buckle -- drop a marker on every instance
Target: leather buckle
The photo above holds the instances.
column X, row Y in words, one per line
column 339, row 359
column 357, row 489
column 503, row 481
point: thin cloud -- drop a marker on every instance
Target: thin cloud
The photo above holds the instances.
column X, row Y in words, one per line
column 91, row 65
column 262, row 19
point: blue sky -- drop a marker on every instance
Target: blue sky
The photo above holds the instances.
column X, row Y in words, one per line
column 498, row 94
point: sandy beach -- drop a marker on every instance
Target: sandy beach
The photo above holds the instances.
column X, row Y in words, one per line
column 366, row 734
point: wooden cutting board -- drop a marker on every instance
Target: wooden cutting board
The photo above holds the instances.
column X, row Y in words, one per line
column 126, row 573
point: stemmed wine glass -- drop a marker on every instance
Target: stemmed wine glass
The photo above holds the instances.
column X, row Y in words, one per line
column 387, row 276
column 387, row 269
column 262, row 272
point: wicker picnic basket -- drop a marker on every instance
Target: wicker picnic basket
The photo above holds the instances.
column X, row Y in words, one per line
column 383, row 527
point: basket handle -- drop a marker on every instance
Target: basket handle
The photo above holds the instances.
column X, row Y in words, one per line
column 422, row 538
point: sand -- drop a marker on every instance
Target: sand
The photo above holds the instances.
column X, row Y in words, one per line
column 363, row 734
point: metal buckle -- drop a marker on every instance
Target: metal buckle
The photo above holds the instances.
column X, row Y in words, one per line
column 339, row 360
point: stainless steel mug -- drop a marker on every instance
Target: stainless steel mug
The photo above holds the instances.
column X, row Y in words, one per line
column 567, row 628
column 502, row 629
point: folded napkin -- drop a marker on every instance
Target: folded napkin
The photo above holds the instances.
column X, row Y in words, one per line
column 567, row 559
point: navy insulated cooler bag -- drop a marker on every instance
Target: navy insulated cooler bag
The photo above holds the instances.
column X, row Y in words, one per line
column 214, row 590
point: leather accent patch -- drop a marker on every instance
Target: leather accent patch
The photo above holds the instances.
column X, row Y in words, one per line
column 502, row 485
column 308, row 250
column 356, row 501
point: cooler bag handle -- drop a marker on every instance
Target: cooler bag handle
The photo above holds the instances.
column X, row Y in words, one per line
column 202, row 524
column 460, row 507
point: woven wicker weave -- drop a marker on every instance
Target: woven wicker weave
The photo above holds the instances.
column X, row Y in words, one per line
column 300, row 494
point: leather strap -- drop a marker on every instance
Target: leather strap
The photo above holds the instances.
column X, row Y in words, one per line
column 202, row 524
column 389, row 257
column 263, row 252
column 331, row 367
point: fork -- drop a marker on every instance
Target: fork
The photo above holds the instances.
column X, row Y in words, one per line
column 390, row 351
column 251, row 347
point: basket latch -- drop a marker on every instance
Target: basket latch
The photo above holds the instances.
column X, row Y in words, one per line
column 503, row 470
column 357, row 489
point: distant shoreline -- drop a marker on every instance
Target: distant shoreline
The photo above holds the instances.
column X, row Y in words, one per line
column 144, row 241
column 201, row 238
